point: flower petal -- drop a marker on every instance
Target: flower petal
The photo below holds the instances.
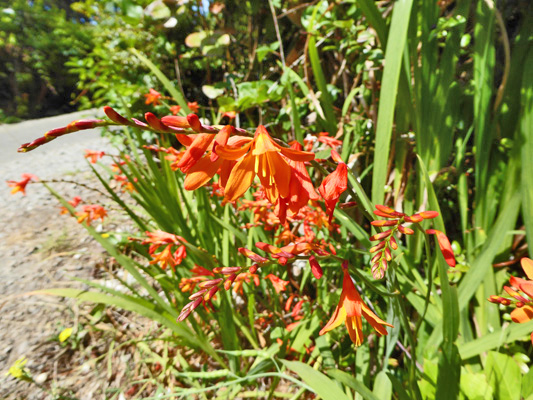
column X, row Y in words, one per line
column 297, row 155
column 230, row 153
column 240, row 179
column 338, row 317
column 195, row 151
column 521, row 315
column 201, row 173
column 355, row 330
column 527, row 266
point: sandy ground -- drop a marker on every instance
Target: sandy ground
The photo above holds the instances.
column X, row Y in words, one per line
column 41, row 249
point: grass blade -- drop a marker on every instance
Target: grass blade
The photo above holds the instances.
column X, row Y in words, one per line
column 389, row 90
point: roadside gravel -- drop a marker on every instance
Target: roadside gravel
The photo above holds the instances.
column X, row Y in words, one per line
column 41, row 249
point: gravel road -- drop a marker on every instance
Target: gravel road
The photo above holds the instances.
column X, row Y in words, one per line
column 39, row 248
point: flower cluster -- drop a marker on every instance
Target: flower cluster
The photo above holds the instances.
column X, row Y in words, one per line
column 387, row 241
column 208, row 288
column 520, row 295
column 166, row 257
column 90, row 212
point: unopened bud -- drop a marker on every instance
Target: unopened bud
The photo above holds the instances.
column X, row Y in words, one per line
column 210, row 283
column 405, row 231
column 229, row 270
column 316, row 269
column 211, row 293
column 200, row 293
column 229, row 281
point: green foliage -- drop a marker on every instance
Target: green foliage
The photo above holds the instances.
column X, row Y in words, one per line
column 428, row 122
column 36, row 39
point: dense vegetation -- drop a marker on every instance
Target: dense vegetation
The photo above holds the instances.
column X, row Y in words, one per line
column 421, row 107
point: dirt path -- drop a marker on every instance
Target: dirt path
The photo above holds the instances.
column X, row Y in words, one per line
column 39, row 248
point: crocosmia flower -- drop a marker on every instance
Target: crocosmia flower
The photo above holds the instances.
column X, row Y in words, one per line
column 20, row 186
column 350, row 310
column 153, row 97
column 265, row 158
column 334, row 185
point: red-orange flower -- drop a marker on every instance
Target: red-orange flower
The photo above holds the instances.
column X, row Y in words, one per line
column 350, row 309
column 91, row 212
column 193, row 106
column 153, row 97
column 334, row 185
column 444, row 245
column 279, row 284
column 93, row 155
column 265, row 158
column 74, row 203
column 20, row 186
column 175, row 109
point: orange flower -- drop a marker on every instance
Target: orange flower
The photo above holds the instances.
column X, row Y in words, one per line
column 203, row 170
column 193, row 106
column 153, row 97
column 334, row 185
column 444, row 245
column 263, row 157
column 94, row 155
column 164, row 258
column 279, row 284
column 74, row 203
column 329, row 141
column 350, row 309
column 175, row 109
column 20, row 186
column 91, row 212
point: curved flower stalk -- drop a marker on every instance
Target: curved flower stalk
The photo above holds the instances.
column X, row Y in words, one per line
column 208, row 288
column 169, row 124
column 387, row 242
column 520, row 295
column 350, row 310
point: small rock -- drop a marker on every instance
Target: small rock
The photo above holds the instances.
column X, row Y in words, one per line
column 41, row 378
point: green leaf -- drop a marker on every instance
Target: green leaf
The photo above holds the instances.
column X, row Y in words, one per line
column 504, row 376
column 495, row 339
column 526, row 127
column 475, row 386
column 320, row 383
column 527, row 385
column 212, row 92
column 483, row 261
column 382, row 386
column 389, row 89
column 195, row 39
column 348, row 380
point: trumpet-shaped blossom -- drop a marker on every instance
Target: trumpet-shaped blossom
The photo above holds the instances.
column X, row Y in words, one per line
column 20, row 186
column 350, row 310
column 265, row 158
column 153, row 97
column 334, row 185
column 444, row 245
column 93, row 155
column 175, row 109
